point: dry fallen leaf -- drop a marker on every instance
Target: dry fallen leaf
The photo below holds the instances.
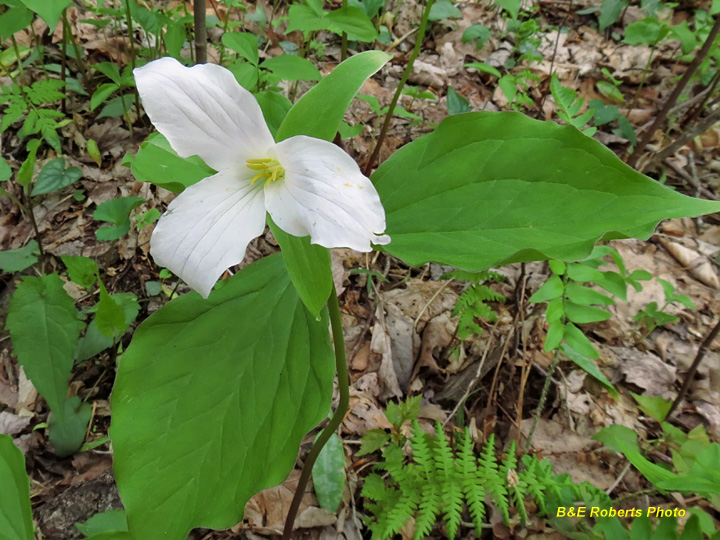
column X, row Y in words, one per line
column 426, row 74
column 647, row 371
column 698, row 265
column 561, row 447
column 266, row 511
column 12, row 424
column 27, row 394
column 381, row 345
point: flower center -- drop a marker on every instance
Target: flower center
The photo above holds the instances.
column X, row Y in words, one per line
column 269, row 170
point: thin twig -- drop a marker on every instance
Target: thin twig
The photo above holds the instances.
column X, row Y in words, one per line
column 672, row 98
column 693, row 368
column 493, row 385
column 687, row 136
column 399, row 40
column 398, row 91
column 543, row 398
column 690, row 180
column 525, row 374
column 554, row 54
column 617, row 481
column 434, row 296
column 695, row 112
column 474, row 381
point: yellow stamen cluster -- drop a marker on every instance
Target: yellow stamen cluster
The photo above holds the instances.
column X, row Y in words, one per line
column 270, row 170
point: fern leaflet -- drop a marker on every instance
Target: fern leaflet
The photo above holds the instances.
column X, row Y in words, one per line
column 440, row 480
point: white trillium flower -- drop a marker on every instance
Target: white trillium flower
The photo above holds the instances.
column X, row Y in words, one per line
column 310, row 187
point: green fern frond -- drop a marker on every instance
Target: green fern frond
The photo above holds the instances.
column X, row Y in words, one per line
column 452, row 498
column 467, row 325
column 488, row 470
column 531, row 480
column 474, row 491
column 382, row 527
column 393, row 460
column 443, row 454
column 510, row 461
column 450, row 487
column 483, row 311
column 422, row 453
column 569, row 105
column 471, row 305
column 373, row 488
column 428, row 510
column 402, row 511
column 495, row 478
column 517, row 488
column 12, row 114
column 476, row 294
column 438, row 480
column 45, row 92
column 484, row 293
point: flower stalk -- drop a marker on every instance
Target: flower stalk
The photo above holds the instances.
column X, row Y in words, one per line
column 332, row 426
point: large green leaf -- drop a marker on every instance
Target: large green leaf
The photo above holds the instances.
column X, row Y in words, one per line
column 49, row 12
column 332, row 95
column 18, row 259
column 493, row 188
column 243, row 43
column 354, row 22
column 104, row 522
column 54, row 176
column 17, row 17
column 274, row 108
column 44, row 329
column 116, row 211
column 328, row 474
column 81, row 270
column 15, row 513
column 307, row 264
column 305, row 19
column 158, row 163
column 67, row 432
column 703, row 476
column 212, row 399
column 94, row 341
column 292, row 68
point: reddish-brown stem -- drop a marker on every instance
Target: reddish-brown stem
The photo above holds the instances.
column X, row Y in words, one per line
column 396, row 97
column 693, row 368
column 332, row 426
column 200, row 32
column 672, row 98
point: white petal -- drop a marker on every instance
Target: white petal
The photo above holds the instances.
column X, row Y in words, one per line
column 208, row 226
column 202, row 110
column 325, row 195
